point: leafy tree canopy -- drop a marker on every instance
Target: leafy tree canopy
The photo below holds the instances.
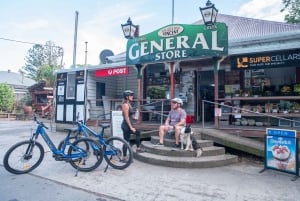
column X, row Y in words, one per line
column 293, row 8
column 42, row 55
column 7, row 97
column 46, row 72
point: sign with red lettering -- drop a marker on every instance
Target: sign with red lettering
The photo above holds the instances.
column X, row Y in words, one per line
column 112, row 72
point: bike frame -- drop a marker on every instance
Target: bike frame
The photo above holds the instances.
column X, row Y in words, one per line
column 40, row 130
column 85, row 129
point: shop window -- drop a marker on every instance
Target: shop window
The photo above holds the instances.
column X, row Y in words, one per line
column 100, row 92
column 41, row 98
column 71, row 86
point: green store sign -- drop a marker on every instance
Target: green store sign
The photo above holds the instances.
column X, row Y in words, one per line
column 178, row 42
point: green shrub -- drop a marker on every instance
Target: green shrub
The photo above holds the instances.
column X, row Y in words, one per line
column 7, row 98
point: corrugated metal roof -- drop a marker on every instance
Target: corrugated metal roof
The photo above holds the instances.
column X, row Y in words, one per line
column 15, row 79
column 242, row 27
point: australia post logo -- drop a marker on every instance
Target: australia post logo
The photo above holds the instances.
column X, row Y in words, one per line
column 112, row 72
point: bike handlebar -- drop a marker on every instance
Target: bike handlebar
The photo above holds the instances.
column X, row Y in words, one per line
column 39, row 122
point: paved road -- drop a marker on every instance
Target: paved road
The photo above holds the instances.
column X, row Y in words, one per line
column 31, row 187
column 144, row 182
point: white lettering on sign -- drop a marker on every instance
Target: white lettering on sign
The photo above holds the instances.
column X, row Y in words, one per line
column 112, row 72
column 119, row 71
column 170, row 50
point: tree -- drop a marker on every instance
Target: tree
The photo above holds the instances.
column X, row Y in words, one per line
column 46, row 72
column 293, row 7
column 39, row 56
column 7, row 97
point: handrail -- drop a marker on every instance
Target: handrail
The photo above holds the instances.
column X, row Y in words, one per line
column 154, row 102
column 243, row 110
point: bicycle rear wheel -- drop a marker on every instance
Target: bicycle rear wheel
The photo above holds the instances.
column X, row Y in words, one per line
column 118, row 153
column 23, row 157
column 91, row 154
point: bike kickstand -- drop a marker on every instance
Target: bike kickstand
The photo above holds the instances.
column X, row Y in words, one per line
column 106, row 168
column 77, row 170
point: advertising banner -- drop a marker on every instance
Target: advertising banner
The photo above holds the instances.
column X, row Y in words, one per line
column 282, row 150
column 287, row 58
column 178, row 42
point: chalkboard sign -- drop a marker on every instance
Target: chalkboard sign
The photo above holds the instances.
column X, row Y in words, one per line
column 116, row 121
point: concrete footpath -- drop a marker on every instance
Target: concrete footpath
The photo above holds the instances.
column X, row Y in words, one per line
column 144, row 182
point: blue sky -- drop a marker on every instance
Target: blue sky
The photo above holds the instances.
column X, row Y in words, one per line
column 99, row 21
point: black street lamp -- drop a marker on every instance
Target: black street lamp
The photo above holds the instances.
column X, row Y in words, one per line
column 209, row 13
column 129, row 29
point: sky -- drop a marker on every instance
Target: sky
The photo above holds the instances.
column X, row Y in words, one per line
column 25, row 23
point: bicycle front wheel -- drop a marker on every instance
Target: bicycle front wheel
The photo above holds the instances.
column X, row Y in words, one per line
column 118, row 153
column 90, row 154
column 23, row 157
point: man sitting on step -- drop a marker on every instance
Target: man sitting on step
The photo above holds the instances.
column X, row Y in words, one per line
column 174, row 122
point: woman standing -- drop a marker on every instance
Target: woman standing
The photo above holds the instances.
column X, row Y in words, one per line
column 127, row 124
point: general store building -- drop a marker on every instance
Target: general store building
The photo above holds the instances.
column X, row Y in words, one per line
column 263, row 59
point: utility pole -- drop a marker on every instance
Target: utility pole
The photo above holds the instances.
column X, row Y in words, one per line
column 85, row 84
column 75, row 39
column 172, row 11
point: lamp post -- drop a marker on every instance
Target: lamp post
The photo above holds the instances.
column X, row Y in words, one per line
column 209, row 13
column 131, row 31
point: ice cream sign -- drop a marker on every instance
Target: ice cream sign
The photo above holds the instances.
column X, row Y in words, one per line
column 112, row 72
column 281, row 150
column 178, row 42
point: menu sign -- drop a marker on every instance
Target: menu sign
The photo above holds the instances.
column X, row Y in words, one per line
column 282, row 150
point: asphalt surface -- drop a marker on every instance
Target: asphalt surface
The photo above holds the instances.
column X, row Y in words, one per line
column 139, row 182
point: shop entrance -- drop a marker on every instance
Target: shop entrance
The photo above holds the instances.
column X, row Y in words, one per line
column 206, row 89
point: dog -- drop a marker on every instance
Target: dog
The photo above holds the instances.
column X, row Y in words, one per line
column 187, row 139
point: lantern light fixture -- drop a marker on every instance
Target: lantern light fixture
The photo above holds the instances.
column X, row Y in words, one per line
column 129, row 29
column 209, row 13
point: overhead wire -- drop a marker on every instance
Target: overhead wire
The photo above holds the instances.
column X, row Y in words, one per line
column 25, row 42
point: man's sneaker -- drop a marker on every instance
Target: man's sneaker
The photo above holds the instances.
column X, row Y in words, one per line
column 159, row 144
column 176, row 146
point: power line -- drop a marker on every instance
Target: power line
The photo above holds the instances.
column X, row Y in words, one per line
column 25, row 42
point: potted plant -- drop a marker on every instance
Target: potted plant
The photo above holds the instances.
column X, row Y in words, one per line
column 26, row 103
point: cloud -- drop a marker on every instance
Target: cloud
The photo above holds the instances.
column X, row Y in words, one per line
column 32, row 25
column 102, row 32
column 266, row 10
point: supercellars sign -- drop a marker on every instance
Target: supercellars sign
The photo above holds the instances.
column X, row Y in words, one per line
column 178, row 42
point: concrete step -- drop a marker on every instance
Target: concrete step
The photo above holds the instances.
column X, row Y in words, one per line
column 185, row 162
column 168, row 151
column 170, row 142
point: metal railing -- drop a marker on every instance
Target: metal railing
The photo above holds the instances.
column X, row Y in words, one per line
column 240, row 112
column 152, row 107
